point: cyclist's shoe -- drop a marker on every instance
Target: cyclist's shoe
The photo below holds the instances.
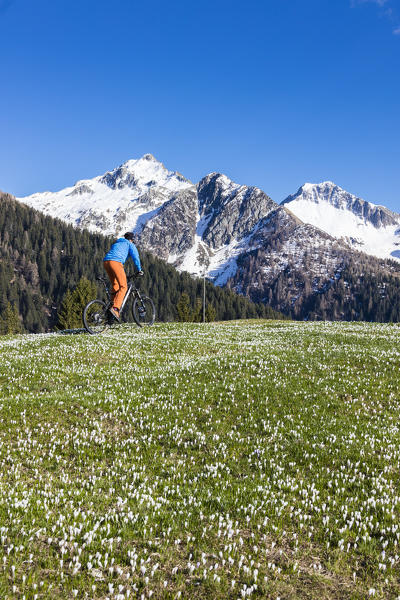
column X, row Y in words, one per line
column 115, row 313
column 140, row 273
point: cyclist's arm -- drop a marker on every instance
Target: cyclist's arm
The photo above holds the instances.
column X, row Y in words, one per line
column 134, row 254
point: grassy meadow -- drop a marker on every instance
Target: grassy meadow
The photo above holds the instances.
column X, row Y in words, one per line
column 219, row 461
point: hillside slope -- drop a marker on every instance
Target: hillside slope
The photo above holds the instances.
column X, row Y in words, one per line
column 42, row 257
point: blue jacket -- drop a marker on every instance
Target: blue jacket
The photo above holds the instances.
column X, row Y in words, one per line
column 120, row 251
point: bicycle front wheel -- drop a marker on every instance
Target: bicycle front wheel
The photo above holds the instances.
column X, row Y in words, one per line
column 144, row 311
column 95, row 317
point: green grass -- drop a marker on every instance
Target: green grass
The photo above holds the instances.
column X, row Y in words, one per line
column 231, row 460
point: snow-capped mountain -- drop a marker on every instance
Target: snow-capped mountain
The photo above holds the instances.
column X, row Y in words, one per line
column 234, row 234
column 198, row 228
column 205, row 229
column 365, row 226
column 115, row 202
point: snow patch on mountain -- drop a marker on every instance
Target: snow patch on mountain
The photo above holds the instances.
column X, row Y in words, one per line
column 365, row 226
column 196, row 259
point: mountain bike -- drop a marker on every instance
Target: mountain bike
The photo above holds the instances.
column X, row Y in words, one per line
column 97, row 319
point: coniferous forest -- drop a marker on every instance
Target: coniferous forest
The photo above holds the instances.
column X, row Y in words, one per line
column 364, row 289
column 41, row 258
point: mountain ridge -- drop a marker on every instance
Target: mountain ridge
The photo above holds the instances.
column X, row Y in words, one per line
column 235, row 235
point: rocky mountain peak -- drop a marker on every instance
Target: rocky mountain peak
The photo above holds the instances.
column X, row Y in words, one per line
column 213, row 190
column 144, row 171
column 328, row 193
column 231, row 210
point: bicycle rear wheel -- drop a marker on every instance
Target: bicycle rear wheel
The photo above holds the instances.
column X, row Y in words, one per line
column 144, row 311
column 95, row 317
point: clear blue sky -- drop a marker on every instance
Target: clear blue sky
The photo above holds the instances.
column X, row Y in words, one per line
column 272, row 93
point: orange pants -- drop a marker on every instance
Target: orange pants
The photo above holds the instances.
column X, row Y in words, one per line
column 116, row 273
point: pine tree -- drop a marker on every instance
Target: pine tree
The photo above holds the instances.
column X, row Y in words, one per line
column 67, row 314
column 70, row 315
column 211, row 313
column 10, row 321
column 197, row 315
column 185, row 313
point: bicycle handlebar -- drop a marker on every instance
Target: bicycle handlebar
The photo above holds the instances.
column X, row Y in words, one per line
column 128, row 276
column 134, row 275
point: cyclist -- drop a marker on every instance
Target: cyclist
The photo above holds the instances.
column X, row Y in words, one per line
column 114, row 262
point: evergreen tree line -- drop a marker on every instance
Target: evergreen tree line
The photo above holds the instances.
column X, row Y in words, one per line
column 363, row 288
column 43, row 259
column 367, row 296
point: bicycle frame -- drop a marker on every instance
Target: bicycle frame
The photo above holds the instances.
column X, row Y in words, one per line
column 131, row 289
column 128, row 293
